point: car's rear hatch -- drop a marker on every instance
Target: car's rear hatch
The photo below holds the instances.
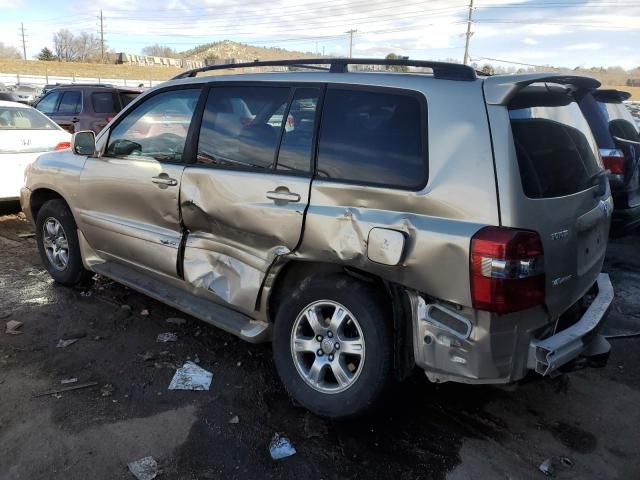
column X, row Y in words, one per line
column 626, row 139
column 550, row 180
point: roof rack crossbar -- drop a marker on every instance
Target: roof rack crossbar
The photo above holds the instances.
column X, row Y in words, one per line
column 441, row 70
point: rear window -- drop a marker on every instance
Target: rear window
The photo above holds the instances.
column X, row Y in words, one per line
column 12, row 118
column 556, row 152
column 374, row 138
column 621, row 122
column 103, row 102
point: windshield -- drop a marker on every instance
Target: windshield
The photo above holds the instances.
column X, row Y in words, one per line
column 15, row 118
column 556, row 151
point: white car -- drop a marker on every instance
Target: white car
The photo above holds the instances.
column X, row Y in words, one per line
column 25, row 134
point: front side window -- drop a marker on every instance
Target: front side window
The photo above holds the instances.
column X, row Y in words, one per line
column 241, row 126
column 557, row 154
column 157, row 128
column 70, row 103
column 374, row 138
column 48, row 104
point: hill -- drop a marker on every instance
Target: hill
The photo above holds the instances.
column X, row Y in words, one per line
column 229, row 49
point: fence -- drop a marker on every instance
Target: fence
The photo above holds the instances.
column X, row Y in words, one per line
column 41, row 80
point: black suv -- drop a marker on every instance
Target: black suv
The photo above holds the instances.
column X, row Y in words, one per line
column 618, row 138
column 85, row 106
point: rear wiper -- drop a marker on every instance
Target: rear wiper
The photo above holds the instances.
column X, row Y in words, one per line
column 599, row 179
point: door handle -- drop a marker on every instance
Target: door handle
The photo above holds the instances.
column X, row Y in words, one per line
column 283, row 195
column 164, row 180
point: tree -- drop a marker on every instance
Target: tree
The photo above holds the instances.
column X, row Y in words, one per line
column 63, row 45
column 46, row 55
column 396, row 68
column 86, row 47
column 158, row 50
column 9, row 51
column 488, row 69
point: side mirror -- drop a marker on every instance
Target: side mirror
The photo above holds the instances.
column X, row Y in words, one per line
column 84, row 143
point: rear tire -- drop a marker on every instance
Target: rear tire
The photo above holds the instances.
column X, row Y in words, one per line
column 341, row 367
column 57, row 237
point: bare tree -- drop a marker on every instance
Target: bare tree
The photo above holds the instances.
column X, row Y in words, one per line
column 86, row 47
column 63, row 45
column 158, row 50
column 9, row 51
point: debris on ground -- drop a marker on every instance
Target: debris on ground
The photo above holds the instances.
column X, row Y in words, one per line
column 126, row 308
column 550, row 465
column 234, row 419
column 12, row 327
column 167, row 337
column 191, row 377
column 65, row 343
column 144, row 312
column 66, row 389
column 107, row 390
column 280, row 447
column 144, row 469
column 149, row 355
column 65, row 381
column 26, row 235
column 239, row 364
column 86, row 293
column 176, row 321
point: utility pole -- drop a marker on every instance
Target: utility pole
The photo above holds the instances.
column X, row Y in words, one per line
column 350, row 33
column 101, row 39
column 469, row 33
column 24, row 44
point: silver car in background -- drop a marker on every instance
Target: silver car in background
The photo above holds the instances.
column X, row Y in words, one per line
column 366, row 223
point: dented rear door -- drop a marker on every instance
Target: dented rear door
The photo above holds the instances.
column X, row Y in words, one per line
column 243, row 201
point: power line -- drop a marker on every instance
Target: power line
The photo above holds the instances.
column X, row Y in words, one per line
column 469, row 33
column 24, row 43
column 350, row 32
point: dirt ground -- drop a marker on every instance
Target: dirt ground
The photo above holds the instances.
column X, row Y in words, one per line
column 422, row 431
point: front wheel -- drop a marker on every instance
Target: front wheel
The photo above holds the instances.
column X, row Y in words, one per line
column 332, row 345
column 58, row 243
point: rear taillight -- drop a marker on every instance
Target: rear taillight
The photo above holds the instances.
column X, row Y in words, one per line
column 613, row 160
column 62, row 146
column 507, row 270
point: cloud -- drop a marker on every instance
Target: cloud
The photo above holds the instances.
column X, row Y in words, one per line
column 586, row 46
column 530, row 41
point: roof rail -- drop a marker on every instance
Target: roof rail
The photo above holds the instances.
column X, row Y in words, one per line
column 441, row 70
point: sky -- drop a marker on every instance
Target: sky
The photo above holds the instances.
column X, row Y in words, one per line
column 566, row 33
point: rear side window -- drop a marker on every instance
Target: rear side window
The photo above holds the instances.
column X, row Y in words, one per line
column 374, row 137
column 103, row 102
column 71, row 102
column 127, row 97
column 241, row 126
column 556, row 152
column 48, row 103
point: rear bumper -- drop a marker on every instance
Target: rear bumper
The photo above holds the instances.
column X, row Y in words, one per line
column 549, row 354
column 471, row 346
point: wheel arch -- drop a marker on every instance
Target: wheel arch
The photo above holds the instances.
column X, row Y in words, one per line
column 395, row 301
column 40, row 196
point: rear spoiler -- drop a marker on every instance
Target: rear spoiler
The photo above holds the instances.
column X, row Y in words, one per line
column 611, row 96
column 500, row 89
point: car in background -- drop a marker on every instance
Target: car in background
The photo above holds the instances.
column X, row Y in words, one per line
column 80, row 107
column 26, row 93
column 25, row 134
column 7, row 97
column 618, row 138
